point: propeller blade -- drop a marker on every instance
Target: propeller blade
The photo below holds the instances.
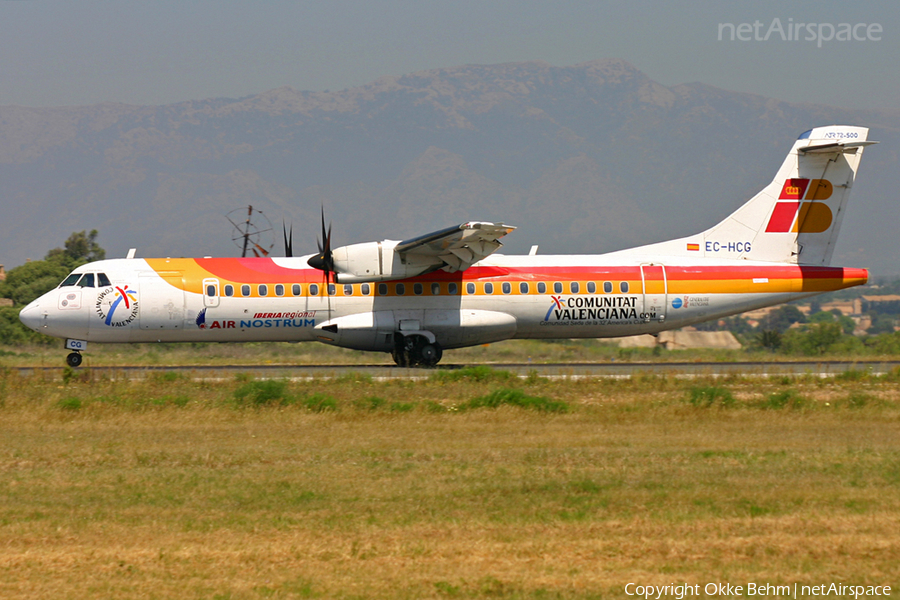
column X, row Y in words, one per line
column 288, row 240
column 325, row 236
column 325, row 260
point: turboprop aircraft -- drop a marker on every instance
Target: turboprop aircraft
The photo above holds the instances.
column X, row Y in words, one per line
column 449, row 289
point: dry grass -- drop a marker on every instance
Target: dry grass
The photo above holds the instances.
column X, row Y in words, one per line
column 171, row 488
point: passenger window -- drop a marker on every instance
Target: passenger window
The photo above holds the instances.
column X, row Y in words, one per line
column 401, row 289
column 506, row 287
column 229, row 290
column 70, row 280
column 574, row 287
column 452, row 289
column 623, row 287
column 348, row 290
column 607, row 287
column 382, row 289
column 557, row 288
column 332, row 290
column 245, row 290
column 263, row 290
column 523, row 288
column 103, row 280
column 592, row 287
column 435, row 289
column 365, row 289
column 295, row 289
column 279, row 290
column 417, row 289
column 542, row 287
column 313, row 290
column 211, row 291
column 489, row 288
column 470, row 288
column 87, row 280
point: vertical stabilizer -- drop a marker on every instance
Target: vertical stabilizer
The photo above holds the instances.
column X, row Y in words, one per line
column 796, row 218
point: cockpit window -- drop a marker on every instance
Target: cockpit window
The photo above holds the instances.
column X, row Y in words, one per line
column 70, row 280
column 87, row 280
column 103, row 280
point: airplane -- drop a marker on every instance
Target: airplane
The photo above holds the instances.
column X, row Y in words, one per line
column 450, row 289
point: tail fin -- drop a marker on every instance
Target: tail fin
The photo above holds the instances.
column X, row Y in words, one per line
column 797, row 217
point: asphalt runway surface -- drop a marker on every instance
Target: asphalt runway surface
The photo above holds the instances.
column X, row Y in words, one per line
column 553, row 370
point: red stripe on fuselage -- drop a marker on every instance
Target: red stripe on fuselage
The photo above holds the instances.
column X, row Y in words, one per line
column 264, row 270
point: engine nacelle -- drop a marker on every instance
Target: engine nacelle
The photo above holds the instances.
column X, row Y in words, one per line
column 375, row 331
column 377, row 261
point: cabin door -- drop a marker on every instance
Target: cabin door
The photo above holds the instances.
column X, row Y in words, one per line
column 161, row 300
column 656, row 292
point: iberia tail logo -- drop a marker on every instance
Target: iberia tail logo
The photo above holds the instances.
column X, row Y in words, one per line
column 794, row 215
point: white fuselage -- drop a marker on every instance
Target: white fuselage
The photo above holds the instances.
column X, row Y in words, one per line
column 282, row 299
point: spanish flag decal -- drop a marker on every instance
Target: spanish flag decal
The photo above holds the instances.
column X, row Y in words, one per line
column 693, row 247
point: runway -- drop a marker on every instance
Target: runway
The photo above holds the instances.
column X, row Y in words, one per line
column 552, row 370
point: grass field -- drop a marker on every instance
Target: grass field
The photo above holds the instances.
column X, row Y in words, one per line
column 469, row 484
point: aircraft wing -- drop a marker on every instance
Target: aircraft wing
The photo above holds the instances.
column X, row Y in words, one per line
column 458, row 247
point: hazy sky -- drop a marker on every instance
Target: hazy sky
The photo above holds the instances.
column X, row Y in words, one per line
column 147, row 52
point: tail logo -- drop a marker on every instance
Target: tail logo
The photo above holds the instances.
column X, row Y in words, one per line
column 793, row 215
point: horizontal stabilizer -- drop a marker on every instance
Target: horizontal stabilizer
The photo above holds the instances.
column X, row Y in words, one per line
column 834, row 148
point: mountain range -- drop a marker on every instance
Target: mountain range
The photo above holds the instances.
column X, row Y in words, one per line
column 586, row 158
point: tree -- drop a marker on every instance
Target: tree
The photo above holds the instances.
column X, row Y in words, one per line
column 26, row 282
column 80, row 248
column 817, row 339
column 881, row 324
column 782, row 318
column 769, row 339
column 29, row 281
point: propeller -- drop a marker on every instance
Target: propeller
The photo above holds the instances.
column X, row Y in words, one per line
column 324, row 261
column 288, row 239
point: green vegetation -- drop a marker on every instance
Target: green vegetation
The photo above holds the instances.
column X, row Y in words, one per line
column 711, row 396
column 515, row 397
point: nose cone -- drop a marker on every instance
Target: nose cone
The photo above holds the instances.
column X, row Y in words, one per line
column 31, row 316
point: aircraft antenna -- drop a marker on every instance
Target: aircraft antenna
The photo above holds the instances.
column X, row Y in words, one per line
column 253, row 231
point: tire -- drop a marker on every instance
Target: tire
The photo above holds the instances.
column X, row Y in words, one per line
column 74, row 360
column 430, row 354
column 401, row 357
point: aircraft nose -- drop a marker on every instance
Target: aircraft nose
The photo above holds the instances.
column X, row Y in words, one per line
column 31, row 316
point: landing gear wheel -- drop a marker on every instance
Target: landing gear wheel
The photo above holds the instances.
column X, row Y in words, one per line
column 74, row 360
column 416, row 351
column 430, row 354
column 401, row 357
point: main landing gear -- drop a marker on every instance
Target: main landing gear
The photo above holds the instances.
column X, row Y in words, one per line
column 74, row 359
column 415, row 351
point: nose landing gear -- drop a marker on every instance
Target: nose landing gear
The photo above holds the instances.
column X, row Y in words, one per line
column 416, row 351
column 74, row 359
column 76, row 346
